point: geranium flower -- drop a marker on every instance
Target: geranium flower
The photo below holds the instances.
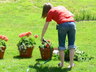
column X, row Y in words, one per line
column 3, row 37
column 6, row 39
column 48, row 41
column 25, row 34
column 36, row 36
column 47, row 45
column 28, row 33
column 22, row 35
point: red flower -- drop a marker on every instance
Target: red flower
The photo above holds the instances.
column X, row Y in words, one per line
column 48, row 41
column 3, row 38
column 25, row 34
column 6, row 39
column 36, row 36
column 22, row 34
column 28, row 33
column 47, row 45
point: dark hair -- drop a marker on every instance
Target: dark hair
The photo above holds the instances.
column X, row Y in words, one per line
column 46, row 8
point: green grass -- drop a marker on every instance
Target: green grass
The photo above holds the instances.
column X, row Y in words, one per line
column 82, row 9
column 19, row 17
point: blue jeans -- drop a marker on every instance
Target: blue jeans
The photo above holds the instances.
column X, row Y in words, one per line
column 69, row 29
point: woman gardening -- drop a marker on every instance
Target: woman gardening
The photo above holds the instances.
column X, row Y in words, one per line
column 65, row 26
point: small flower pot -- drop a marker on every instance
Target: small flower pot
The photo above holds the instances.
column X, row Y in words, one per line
column 2, row 51
column 46, row 53
column 26, row 53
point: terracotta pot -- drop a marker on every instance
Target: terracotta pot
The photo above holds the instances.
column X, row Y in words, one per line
column 27, row 53
column 2, row 52
column 46, row 53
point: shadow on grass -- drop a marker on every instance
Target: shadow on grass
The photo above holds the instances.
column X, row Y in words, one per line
column 18, row 57
column 39, row 67
column 40, row 60
column 48, row 69
column 1, row 59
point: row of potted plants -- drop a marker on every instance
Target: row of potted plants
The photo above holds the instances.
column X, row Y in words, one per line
column 26, row 46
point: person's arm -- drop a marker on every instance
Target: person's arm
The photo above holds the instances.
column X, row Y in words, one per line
column 44, row 30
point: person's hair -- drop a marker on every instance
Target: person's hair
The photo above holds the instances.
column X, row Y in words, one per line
column 46, row 8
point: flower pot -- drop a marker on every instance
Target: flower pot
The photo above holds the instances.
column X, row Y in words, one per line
column 46, row 53
column 2, row 50
column 26, row 53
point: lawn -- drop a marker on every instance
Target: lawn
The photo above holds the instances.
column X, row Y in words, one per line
column 19, row 17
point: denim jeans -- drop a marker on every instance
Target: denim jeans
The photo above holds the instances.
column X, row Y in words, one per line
column 66, row 29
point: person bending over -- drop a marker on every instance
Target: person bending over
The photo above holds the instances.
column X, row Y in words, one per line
column 65, row 26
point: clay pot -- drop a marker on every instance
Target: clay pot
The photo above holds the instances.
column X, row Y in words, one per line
column 2, row 51
column 46, row 53
column 27, row 53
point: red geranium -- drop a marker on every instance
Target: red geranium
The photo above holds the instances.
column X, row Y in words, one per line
column 47, row 45
column 36, row 36
column 6, row 39
column 25, row 34
column 48, row 41
column 26, row 41
column 3, row 37
column 28, row 33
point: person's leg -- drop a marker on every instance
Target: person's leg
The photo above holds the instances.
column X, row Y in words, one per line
column 61, row 49
column 71, row 40
column 61, row 39
column 71, row 54
column 61, row 54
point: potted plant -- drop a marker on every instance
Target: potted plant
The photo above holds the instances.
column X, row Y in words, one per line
column 26, row 44
column 78, row 56
column 46, row 50
column 2, row 45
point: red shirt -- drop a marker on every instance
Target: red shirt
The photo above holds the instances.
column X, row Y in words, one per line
column 60, row 14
